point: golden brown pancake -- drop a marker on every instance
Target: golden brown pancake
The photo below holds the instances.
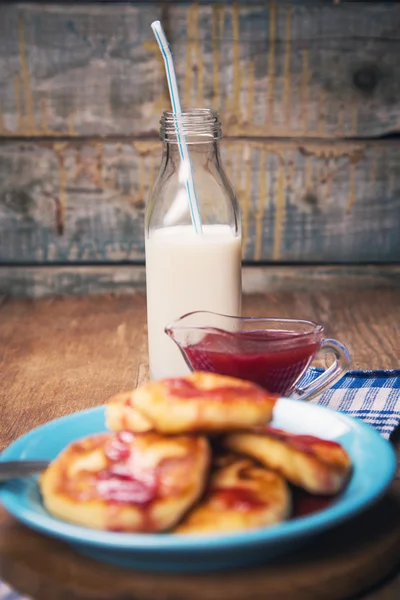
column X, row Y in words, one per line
column 240, row 496
column 316, row 465
column 121, row 415
column 126, row 482
column 199, row 402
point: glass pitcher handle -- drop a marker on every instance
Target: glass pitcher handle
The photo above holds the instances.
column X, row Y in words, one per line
column 339, row 367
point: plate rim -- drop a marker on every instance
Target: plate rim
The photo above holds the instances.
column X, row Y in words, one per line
column 293, row 529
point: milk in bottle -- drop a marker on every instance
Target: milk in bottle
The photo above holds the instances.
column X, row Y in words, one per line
column 188, row 270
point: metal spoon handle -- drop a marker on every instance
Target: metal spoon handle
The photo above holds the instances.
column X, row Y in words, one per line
column 21, row 468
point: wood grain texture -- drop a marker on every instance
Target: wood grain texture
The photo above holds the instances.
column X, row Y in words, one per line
column 79, row 202
column 275, row 279
column 58, row 356
column 41, row 282
column 273, row 69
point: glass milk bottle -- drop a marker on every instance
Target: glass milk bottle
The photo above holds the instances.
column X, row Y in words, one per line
column 185, row 270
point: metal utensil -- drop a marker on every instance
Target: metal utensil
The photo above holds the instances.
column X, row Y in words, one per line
column 21, row 468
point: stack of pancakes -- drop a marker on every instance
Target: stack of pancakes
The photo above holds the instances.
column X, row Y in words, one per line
column 190, row 455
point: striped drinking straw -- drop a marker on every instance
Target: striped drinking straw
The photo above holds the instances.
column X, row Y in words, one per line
column 186, row 167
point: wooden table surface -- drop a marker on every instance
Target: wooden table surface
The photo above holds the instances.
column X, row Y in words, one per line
column 62, row 355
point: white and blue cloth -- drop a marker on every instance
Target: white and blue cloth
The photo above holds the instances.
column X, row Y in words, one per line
column 372, row 396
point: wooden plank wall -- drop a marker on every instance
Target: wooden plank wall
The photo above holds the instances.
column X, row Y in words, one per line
column 309, row 95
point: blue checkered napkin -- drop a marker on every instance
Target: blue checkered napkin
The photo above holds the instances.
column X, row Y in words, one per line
column 373, row 396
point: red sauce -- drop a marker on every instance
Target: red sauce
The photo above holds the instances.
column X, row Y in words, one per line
column 307, row 504
column 303, row 443
column 238, row 498
column 118, row 484
column 117, row 448
column 122, row 488
column 275, row 360
column 183, row 388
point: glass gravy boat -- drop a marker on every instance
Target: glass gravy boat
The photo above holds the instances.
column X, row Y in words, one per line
column 273, row 353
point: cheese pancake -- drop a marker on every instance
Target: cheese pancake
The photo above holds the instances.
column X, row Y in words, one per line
column 126, row 482
column 240, row 496
column 199, row 402
column 316, row 465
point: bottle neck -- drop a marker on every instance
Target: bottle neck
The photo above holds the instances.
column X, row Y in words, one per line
column 198, row 150
column 168, row 205
column 196, row 127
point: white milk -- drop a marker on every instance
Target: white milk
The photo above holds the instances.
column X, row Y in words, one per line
column 187, row 272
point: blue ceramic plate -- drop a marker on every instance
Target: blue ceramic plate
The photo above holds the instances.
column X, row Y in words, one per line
column 374, row 466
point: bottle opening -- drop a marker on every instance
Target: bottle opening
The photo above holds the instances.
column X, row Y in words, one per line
column 199, row 125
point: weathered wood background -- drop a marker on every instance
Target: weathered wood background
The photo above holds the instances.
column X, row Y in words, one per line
column 273, row 69
column 309, row 94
